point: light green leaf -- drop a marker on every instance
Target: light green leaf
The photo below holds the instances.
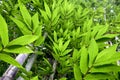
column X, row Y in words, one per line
column 76, row 54
column 54, row 22
column 93, row 51
column 63, row 78
column 3, row 31
column 65, row 45
column 34, row 78
column 114, row 58
column 55, row 36
column 102, row 31
column 106, row 68
column 55, row 13
column 35, row 21
column 22, row 26
column 47, row 9
column 9, row 60
column 98, row 76
column 23, row 40
column 19, row 49
column 39, row 41
column 44, row 15
column 109, row 35
column 26, row 16
column 66, row 52
column 84, row 60
column 77, row 72
column 105, row 55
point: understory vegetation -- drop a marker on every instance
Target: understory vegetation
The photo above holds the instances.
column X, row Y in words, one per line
column 59, row 39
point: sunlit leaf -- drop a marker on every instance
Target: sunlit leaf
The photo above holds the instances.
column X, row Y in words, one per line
column 47, row 9
column 23, row 40
column 93, row 51
column 18, row 49
column 105, row 55
column 77, row 72
column 84, row 60
column 26, row 16
column 23, row 28
column 35, row 21
column 3, row 31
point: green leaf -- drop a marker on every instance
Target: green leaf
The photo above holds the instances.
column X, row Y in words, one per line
column 3, row 31
column 35, row 21
column 9, row 59
column 63, row 78
column 23, row 40
column 106, row 68
column 55, row 36
column 105, row 55
column 110, row 35
column 98, row 76
column 43, row 13
column 12, row 61
column 76, row 54
column 22, row 26
column 19, row 49
column 47, row 9
column 77, row 72
column 102, row 31
column 34, row 78
column 39, row 41
column 65, row 45
column 66, row 52
column 84, row 60
column 26, row 16
column 93, row 51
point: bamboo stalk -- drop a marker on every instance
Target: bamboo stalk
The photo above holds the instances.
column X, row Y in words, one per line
column 29, row 64
column 12, row 70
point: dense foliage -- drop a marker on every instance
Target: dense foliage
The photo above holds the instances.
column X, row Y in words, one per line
column 69, row 39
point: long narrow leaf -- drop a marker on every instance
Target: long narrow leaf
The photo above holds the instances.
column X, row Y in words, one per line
column 3, row 31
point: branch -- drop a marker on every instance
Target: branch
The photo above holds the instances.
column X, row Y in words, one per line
column 54, row 70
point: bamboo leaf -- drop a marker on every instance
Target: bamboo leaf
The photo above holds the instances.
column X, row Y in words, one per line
column 55, row 36
column 44, row 15
column 77, row 72
column 3, row 31
column 23, row 40
column 22, row 26
column 47, row 9
column 102, row 31
column 26, row 15
column 105, row 55
column 106, row 68
column 9, row 59
column 35, row 21
column 19, row 49
column 65, row 45
column 84, row 60
column 34, row 78
column 93, row 51
column 98, row 76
